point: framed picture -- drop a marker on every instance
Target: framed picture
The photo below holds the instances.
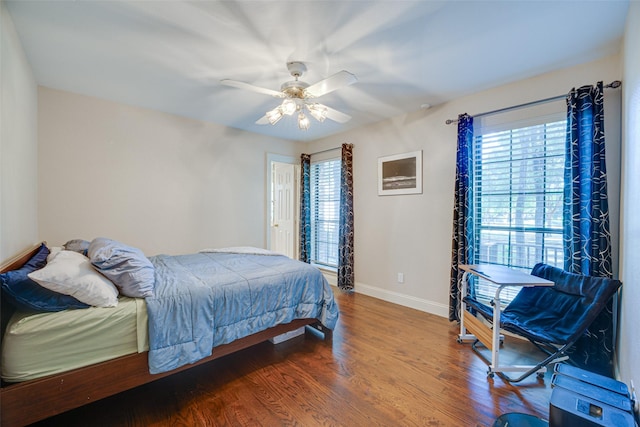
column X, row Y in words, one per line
column 400, row 174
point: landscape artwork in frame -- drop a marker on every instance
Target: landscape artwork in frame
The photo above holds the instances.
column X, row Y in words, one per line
column 400, row 174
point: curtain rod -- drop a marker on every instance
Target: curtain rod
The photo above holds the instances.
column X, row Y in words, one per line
column 324, row 151
column 613, row 85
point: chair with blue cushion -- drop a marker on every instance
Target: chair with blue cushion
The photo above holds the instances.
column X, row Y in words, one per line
column 553, row 318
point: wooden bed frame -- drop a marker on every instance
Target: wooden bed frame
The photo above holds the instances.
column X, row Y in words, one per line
column 30, row 401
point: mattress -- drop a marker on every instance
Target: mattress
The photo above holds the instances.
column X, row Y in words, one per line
column 41, row 344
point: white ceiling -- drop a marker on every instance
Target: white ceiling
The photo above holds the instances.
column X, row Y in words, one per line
column 170, row 55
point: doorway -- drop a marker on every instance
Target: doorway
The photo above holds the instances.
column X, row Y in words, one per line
column 283, row 200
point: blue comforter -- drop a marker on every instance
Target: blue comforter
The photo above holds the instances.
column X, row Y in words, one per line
column 207, row 299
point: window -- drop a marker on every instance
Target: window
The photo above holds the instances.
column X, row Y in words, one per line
column 325, row 212
column 518, row 188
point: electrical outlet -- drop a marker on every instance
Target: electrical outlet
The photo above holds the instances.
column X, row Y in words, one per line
column 400, row 277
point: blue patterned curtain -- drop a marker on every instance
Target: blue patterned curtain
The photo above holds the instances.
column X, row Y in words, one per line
column 462, row 247
column 587, row 241
column 345, row 233
column 305, row 208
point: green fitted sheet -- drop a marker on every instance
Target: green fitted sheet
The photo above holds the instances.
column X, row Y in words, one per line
column 40, row 344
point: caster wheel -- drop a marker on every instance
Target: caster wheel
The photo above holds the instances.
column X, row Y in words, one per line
column 459, row 340
column 491, row 374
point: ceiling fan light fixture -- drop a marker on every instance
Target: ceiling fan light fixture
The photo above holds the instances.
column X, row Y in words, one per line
column 289, row 106
column 303, row 121
column 318, row 111
column 297, row 95
column 274, row 115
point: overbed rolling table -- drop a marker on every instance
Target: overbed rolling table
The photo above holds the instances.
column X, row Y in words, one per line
column 472, row 328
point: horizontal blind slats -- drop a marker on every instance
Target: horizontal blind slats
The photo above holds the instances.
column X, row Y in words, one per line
column 518, row 188
column 325, row 211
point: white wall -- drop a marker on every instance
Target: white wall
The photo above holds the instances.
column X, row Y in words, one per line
column 163, row 183
column 18, row 144
column 629, row 348
column 412, row 233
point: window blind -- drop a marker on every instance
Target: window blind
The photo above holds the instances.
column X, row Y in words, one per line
column 325, row 211
column 518, row 188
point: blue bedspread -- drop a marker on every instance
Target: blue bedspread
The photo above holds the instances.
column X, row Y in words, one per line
column 207, row 299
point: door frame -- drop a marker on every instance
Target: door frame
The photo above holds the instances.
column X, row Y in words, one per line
column 279, row 158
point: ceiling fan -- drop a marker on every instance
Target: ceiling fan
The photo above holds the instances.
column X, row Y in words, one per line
column 300, row 96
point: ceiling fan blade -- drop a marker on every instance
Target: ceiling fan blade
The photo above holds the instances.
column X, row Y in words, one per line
column 331, row 83
column 262, row 120
column 247, row 86
column 335, row 115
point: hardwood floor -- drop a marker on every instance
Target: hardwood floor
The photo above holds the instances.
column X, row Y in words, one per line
column 384, row 365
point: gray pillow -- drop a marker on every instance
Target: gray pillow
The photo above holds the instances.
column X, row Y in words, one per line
column 125, row 266
column 77, row 245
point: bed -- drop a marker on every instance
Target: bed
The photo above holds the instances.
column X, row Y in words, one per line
column 110, row 350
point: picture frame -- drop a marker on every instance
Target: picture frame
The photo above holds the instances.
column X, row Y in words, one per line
column 400, row 174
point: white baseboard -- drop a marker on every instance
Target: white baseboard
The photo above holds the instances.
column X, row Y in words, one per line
column 395, row 297
column 403, row 299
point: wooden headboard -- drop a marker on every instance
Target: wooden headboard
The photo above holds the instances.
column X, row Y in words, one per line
column 6, row 308
column 19, row 260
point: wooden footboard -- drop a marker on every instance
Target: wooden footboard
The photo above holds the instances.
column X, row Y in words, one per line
column 31, row 401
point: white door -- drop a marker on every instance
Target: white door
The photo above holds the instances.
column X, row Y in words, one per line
column 283, row 223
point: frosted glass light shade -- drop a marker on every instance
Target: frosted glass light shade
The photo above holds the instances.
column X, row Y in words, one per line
column 274, row 115
column 288, row 106
column 303, row 121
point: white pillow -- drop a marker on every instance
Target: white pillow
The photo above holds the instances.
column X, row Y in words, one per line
column 71, row 273
column 53, row 252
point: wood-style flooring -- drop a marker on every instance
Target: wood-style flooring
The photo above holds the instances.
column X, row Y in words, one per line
column 384, row 365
